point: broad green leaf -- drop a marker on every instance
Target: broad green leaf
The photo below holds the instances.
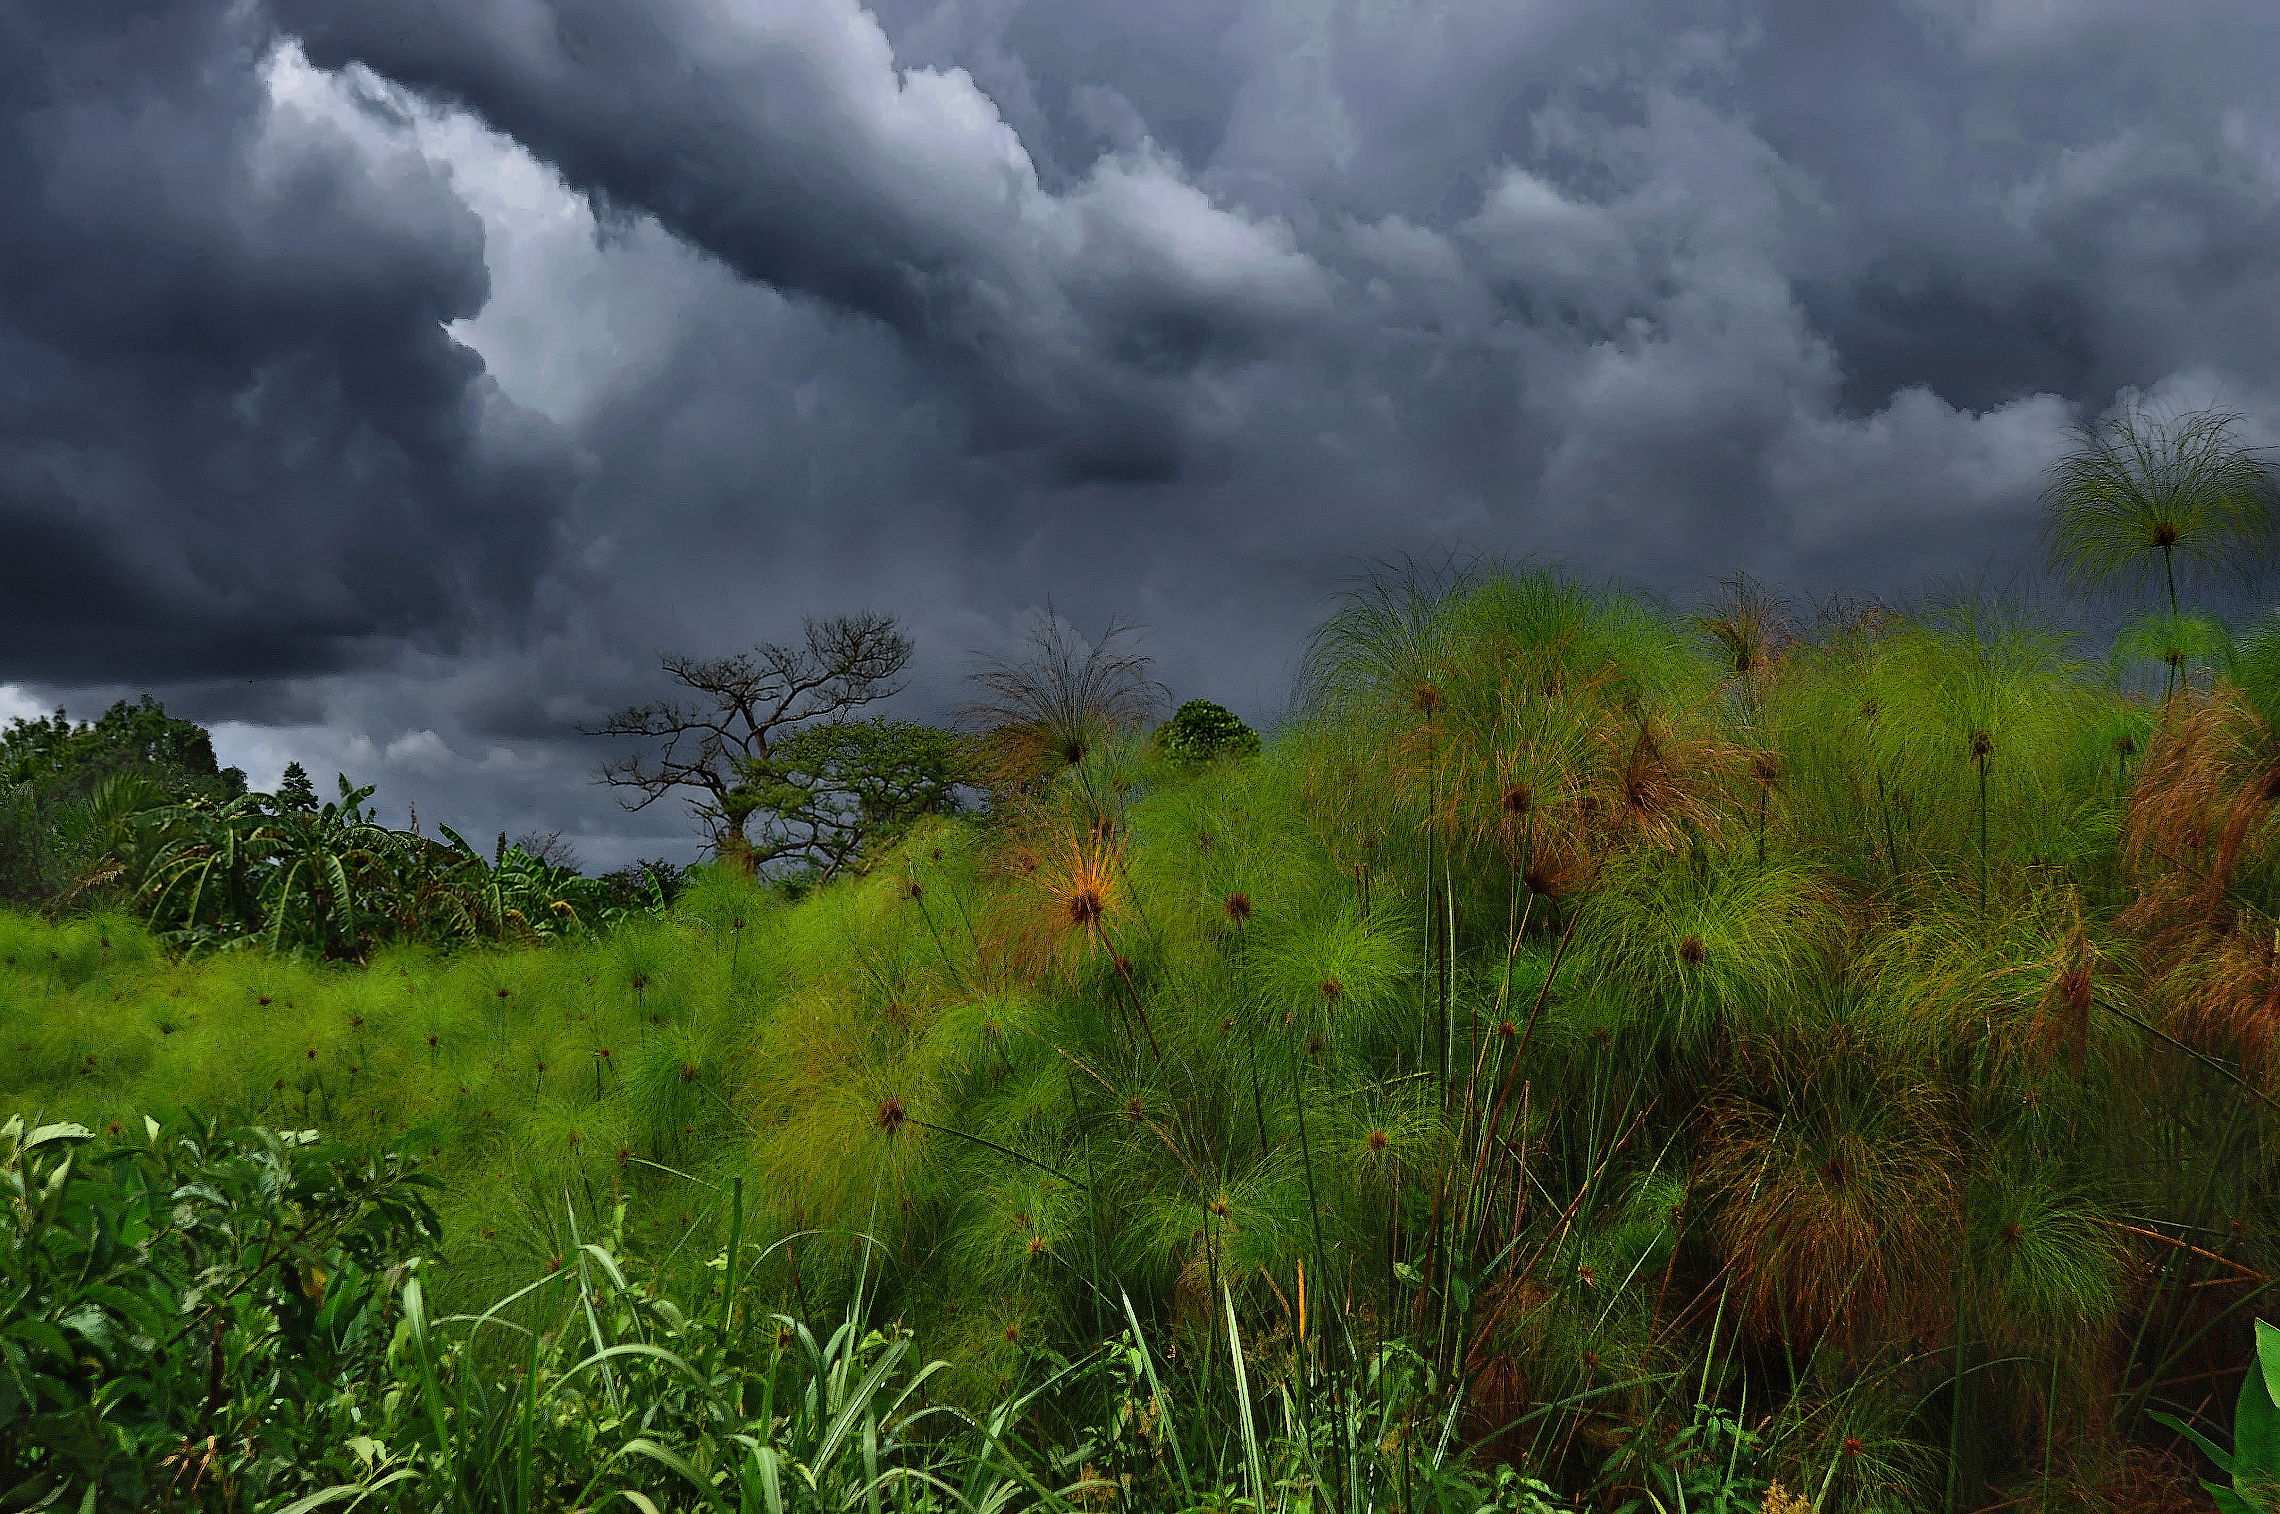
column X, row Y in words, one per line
column 609, row 1263
column 144, row 1312
column 40, row 1333
column 2229, row 1502
column 46, row 1134
column 341, row 1490
column 857, row 1402
column 643, row 1446
column 2209, row 1448
column 771, row 1479
column 2256, row 1434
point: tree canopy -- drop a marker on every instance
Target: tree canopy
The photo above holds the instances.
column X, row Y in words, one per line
column 73, row 755
column 69, row 787
column 1200, row 730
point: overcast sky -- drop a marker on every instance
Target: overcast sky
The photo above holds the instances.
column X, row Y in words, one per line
column 386, row 383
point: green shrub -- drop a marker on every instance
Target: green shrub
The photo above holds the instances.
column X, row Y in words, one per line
column 2253, row 1463
column 1201, row 730
column 213, row 1319
column 174, row 1310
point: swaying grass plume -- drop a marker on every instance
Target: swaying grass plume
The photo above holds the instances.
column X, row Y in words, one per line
column 2141, row 495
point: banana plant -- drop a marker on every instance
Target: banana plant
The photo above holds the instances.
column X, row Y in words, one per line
column 332, row 880
column 100, row 833
column 201, row 886
column 311, row 894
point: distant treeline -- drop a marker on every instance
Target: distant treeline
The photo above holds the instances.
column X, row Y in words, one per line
column 132, row 811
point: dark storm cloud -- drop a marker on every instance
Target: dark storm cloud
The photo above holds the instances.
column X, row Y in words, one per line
column 234, row 436
column 788, row 145
column 1510, row 271
column 2065, row 198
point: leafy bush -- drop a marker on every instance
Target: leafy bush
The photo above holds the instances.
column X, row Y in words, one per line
column 831, row 795
column 67, row 789
column 239, row 1320
column 592, row 1383
column 179, row 1310
column 1200, row 730
column 1709, row 1466
column 290, row 875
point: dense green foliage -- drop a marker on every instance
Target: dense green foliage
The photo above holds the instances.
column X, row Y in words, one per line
column 205, row 1319
column 69, row 788
column 2252, row 1464
column 1200, row 730
column 1728, row 1059
column 835, row 791
column 330, row 880
column 175, row 755
column 130, row 812
column 182, row 1305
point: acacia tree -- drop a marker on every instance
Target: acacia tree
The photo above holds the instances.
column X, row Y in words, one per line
column 710, row 745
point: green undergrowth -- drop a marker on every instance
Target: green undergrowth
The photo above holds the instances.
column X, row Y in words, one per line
column 528, row 1078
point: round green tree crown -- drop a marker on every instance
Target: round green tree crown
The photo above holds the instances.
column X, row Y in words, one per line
column 1201, row 730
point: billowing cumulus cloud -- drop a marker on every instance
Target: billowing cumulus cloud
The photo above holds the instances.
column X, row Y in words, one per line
column 785, row 140
column 234, row 435
column 392, row 381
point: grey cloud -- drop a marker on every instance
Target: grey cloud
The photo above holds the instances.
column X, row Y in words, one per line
column 789, row 145
column 2065, row 198
column 234, row 433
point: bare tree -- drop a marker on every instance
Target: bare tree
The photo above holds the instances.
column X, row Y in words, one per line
column 549, row 848
column 743, row 707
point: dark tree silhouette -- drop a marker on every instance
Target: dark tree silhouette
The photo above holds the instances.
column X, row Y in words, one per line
column 739, row 710
column 296, row 791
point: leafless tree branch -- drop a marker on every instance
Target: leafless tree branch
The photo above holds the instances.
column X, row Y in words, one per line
column 743, row 706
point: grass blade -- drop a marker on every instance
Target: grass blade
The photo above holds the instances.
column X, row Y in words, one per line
column 1252, row 1461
